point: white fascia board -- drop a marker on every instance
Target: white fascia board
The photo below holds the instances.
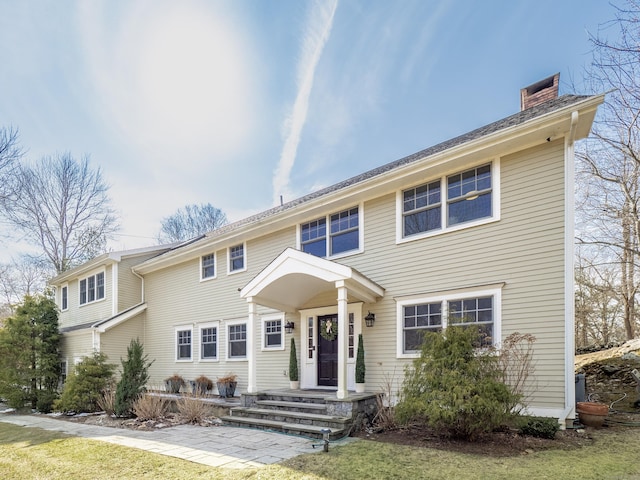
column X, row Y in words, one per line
column 552, row 125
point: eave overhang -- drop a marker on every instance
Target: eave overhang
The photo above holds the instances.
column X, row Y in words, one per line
column 441, row 158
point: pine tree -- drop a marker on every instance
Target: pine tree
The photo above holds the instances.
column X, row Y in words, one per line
column 29, row 354
column 134, row 378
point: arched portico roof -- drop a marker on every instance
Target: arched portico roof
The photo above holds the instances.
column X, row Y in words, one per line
column 294, row 277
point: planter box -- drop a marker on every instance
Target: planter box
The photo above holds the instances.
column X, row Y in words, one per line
column 226, row 389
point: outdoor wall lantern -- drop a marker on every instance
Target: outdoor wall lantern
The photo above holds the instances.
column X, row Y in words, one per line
column 289, row 326
column 369, row 319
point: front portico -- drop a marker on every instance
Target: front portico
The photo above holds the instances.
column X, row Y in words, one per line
column 289, row 282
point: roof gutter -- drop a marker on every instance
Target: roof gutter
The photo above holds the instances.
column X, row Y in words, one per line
column 386, row 178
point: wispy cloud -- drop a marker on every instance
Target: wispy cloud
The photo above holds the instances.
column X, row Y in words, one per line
column 317, row 31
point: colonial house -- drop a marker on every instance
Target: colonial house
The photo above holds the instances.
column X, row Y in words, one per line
column 477, row 231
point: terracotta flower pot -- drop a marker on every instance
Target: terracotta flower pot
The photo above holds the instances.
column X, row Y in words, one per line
column 592, row 414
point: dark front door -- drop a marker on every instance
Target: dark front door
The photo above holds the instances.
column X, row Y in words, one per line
column 327, row 354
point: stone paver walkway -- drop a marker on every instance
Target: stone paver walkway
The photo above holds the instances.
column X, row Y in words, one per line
column 218, row 446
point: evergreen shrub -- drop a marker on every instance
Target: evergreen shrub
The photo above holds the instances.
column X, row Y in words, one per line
column 85, row 386
column 454, row 387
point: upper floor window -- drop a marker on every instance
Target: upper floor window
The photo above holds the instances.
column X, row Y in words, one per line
column 458, row 200
column 92, row 288
column 343, row 234
column 64, row 298
column 469, row 195
column 236, row 258
column 208, row 266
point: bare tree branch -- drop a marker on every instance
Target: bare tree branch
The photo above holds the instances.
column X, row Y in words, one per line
column 190, row 222
column 62, row 206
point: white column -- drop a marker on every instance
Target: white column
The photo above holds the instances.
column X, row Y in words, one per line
column 343, row 336
column 251, row 356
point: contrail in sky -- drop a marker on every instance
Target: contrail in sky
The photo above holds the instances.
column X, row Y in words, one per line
column 317, row 33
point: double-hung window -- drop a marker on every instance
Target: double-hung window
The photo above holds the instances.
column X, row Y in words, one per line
column 237, row 346
column 236, row 258
column 479, row 309
column 208, row 266
column 209, row 342
column 184, row 342
column 92, row 288
column 453, row 201
column 64, row 298
column 341, row 236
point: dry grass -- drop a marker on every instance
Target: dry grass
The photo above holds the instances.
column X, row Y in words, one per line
column 193, row 409
column 107, row 401
column 151, row 407
column 33, row 453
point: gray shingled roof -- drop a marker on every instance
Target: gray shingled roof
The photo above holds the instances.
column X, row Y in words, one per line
column 511, row 121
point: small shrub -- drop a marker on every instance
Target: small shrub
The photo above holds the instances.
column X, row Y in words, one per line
column 133, row 380
column 385, row 418
column 293, row 362
column 193, row 410
column 228, row 378
column 46, row 399
column 515, row 360
column 84, row 387
column 541, row 427
column 360, row 367
column 107, row 402
column 203, row 384
column 174, row 383
column 151, row 407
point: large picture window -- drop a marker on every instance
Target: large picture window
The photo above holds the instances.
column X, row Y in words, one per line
column 473, row 308
column 456, row 201
column 92, row 288
column 342, row 236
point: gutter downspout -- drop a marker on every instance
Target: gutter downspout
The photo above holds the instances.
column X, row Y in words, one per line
column 569, row 286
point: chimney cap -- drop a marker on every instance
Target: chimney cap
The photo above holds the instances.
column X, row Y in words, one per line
column 539, row 92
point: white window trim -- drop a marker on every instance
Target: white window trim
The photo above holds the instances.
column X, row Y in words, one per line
column 227, row 349
column 201, row 326
column 62, row 287
column 215, row 267
column 348, row 253
column 495, row 204
column 86, row 277
column 271, row 318
column 244, row 258
column 494, row 291
column 182, row 328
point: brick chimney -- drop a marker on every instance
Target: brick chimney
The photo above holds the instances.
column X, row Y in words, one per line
column 539, row 92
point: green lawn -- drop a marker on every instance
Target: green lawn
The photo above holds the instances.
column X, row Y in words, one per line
column 31, row 453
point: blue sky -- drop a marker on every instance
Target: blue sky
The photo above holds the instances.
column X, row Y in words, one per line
column 235, row 103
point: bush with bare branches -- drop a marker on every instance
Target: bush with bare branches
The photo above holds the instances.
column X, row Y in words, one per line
column 515, row 361
column 193, row 409
column 151, row 407
column 107, row 401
